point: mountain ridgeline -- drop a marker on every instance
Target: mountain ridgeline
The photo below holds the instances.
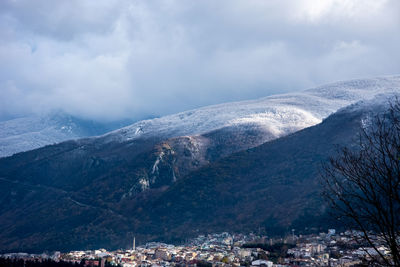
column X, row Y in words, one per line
column 234, row 167
column 31, row 132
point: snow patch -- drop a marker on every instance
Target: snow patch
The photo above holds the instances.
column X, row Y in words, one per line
column 280, row 121
column 144, row 183
column 155, row 165
column 173, row 176
column 366, row 122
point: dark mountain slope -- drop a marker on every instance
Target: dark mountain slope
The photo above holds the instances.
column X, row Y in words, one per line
column 86, row 194
column 273, row 186
column 69, row 195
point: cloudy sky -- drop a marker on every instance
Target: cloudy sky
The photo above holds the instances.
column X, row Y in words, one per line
column 109, row 60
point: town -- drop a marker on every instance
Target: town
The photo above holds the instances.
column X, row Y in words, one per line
column 224, row 249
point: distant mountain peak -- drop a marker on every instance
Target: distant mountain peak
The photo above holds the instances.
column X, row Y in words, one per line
column 31, row 132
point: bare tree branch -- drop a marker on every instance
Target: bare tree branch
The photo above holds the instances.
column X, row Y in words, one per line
column 363, row 184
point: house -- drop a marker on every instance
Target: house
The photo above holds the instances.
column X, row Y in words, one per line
column 262, row 263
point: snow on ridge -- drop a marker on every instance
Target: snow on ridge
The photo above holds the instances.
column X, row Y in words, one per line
column 364, row 88
column 28, row 133
column 277, row 114
column 375, row 105
column 35, row 131
column 280, row 121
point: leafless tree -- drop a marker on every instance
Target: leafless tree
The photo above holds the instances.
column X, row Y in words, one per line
column 362, row 184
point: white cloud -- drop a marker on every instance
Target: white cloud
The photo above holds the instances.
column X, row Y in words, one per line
column 315, row 11
column 115, row 59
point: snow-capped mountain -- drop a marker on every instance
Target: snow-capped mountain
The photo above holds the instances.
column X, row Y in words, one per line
column 271, row 117
column 159, row 185
column 27, row 133
column 186, row 141
column 276, row 115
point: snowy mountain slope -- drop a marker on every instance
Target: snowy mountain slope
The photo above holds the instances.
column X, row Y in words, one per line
column 184, row 142
column 192, row 139
column 275, row 185
column 27, row 133
column 277, row 115
column 71, row 194
column 272, row 117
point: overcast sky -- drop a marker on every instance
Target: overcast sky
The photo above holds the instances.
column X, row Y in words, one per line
column 110, row 60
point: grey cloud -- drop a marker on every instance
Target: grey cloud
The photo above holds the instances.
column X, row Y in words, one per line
column 63, row 20
column 126, row 59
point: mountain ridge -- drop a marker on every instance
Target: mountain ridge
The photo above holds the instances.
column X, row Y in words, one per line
column 94, row 192
column 310, row 105
column 35, row 131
